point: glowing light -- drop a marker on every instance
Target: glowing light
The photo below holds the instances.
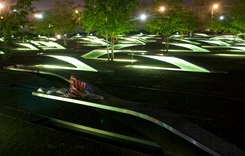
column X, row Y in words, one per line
column 134, row 40
column 143, row 17
column 215, row 6
column 238, row 49
column 56, row 67
column 165, row 127
column 191, row 47
column 182, row 64
column 153, row 67
column 228, row 38
column 23, row 69
column 94, row 54
column 90, row 40
column 39, row 16
column 80, row 65
column 58, row 36
column 190, row 42
column 120, row 46
column 29, row 47
column 118, row 60
column 219, row 43
column 1, row 6
column 162, row 9
column 231, row 55
column 47, row 45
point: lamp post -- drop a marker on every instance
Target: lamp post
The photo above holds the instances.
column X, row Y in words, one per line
column 162, row 9
column 77, row 14
column 215, row 6
column 221, row 17
column 1, row 6
column 1, row 10
column 143, row 17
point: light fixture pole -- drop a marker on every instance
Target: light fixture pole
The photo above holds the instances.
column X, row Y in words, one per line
column 215, row 6
column 1, row 10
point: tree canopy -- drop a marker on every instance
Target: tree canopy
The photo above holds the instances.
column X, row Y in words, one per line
column 14, row 17
column 59, row 19
column 109, row 18
column 237, row 17
column 173, row 19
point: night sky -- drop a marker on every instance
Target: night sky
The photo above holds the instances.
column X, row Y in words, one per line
column 46, row 4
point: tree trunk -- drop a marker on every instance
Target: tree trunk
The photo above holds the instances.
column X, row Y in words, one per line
column 107, row 49
column 65, row 40
column 167, row 44
column 112, row 49
column 191, row 34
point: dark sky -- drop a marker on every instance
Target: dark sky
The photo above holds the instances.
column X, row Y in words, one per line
column 46, row 4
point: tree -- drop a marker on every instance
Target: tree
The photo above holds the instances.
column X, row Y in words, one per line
column 109, row 18
column 59, row 18
column 42, row 24
column 14, row 17
column 237, row 17
column 217, row 24
column 173, row 19
column 202, row 9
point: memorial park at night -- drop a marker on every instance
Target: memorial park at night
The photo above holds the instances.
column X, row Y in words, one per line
column 122, row 77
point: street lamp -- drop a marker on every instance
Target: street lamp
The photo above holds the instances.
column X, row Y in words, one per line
column 162, row 9
column 1, row 10
column 1, row 6
column 221, row 17
column 143, row 17
column 39, row 16
column 215, row 6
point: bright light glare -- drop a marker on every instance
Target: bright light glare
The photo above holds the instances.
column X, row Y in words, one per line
column 143, row 17
column 215, row 6
column 221, row 17
column 38, row 16
column 162, row 9
column 1, row 6
column 58, row 36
